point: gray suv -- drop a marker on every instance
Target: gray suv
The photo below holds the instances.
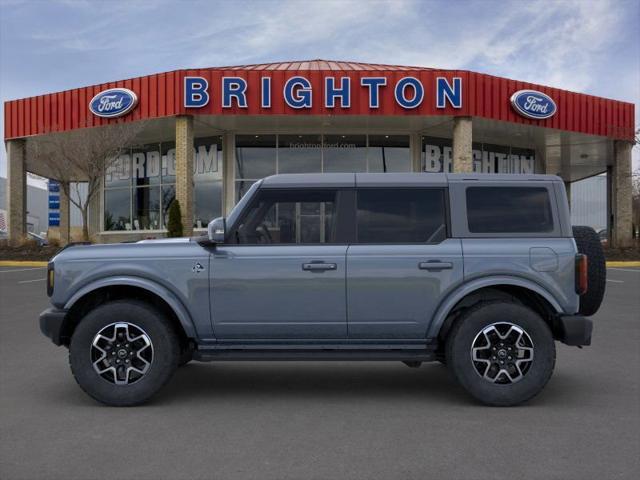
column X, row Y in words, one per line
column 480, row 272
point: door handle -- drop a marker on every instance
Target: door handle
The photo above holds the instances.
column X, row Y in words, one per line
column 319, row 266
column 435, row 266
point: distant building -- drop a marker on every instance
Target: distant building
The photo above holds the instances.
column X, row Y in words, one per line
column 37, row 207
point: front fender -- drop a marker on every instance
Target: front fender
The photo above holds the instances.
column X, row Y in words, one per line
column 174, row 303
column 465, row 289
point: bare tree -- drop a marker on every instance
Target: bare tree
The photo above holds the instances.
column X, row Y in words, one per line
column 82, row 156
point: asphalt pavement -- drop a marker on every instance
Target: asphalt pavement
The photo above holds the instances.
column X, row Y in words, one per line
column 319, row 420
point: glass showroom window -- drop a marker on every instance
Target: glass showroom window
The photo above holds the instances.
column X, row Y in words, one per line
column 255, row 159
column 117, row 194
column 258, row 156
column 207, row 180
column 389, row 153
column 140, row 186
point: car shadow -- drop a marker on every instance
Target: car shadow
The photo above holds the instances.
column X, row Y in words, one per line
column 311, row 380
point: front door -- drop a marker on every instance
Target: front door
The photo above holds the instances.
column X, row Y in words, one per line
column 282, row 273
column 401, row 264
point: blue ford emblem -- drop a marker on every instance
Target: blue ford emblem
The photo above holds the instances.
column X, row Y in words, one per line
column 533, row 104
column 114, row 102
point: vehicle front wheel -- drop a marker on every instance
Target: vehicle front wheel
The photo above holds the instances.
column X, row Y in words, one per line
column 502, row 353
column 123, row 352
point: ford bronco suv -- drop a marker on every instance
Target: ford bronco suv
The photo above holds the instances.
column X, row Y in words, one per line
column 482, row 273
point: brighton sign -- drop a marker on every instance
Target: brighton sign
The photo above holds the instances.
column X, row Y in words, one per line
column 533, row 104
column 297, row 92
column 113, row 103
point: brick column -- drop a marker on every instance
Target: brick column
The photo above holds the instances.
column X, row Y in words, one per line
column 65, row 215
column 621, row 191
column 462, row 149
column 16, row 191
column 184, row 171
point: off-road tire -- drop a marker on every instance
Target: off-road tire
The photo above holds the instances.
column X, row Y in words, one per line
column 588, row 243
column 459, row 356
column 165, row 343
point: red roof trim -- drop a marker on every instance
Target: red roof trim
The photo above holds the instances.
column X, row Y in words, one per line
column 160, row 95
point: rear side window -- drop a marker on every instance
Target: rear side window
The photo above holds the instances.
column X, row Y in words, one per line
column 389, row 215
column 509, row 210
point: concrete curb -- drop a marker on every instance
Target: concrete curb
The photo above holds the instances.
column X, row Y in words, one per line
column 624, row 264
column 29, row 263
column 22, row 263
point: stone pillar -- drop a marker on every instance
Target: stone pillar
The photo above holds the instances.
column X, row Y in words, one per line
column 16, row 191
column 462, row 149
column 184, row 171
column 621, row 192
column 65, row 215
column 228, row 173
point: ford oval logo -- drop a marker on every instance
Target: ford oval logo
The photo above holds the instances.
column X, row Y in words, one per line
column 533, row 104
column 114, row 102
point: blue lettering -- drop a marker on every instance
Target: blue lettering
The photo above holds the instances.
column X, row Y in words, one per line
column 331, row 92
column 195, row 92
column 400, row 92
column 374, row 84
column 266, row 92
column 445, row 92
column 297, row 92
column 234, row 87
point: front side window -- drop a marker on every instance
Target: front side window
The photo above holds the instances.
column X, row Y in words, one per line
column 509, row 210
column 391, row 215
column 289, row 217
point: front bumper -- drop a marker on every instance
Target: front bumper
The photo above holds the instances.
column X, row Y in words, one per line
column 51, row 324
column 574, row 330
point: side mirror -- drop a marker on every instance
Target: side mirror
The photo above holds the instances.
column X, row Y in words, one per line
column 216, row 230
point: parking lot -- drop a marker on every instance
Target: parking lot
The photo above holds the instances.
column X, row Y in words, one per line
column 319, row 419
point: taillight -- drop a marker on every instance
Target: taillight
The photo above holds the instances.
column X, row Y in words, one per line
column 50, row 278
column 582, row 282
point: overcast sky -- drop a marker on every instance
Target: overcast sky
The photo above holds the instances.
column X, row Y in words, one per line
column 581, row 45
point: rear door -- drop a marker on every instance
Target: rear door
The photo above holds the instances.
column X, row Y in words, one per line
column 401, row 263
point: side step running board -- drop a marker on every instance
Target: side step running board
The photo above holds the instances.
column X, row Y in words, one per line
column 211, row 355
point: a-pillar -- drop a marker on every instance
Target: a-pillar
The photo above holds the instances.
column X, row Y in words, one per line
column 65, row 214
column 462, row 145
column 620, row 195
column 16, row 191
column 184, row 171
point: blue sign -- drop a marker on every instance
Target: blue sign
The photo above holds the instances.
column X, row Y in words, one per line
column 114, row 102
column 54, row 186
column 54, row 219
column 533, row 104
column 54, row 203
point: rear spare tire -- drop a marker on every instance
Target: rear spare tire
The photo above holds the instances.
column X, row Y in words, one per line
column 588, row 243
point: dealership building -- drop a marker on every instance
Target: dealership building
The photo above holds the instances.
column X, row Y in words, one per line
column 206, row 135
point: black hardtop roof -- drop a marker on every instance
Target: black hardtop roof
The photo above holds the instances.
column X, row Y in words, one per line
column 317, row 180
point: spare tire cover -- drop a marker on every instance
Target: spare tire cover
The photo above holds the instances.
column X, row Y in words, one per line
column 588, row 243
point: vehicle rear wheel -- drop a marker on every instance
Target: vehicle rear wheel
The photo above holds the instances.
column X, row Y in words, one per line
column 588, row 243
column 502, row 353
column 123, row 352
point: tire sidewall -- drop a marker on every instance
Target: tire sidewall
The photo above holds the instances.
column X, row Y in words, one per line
column 459, row 344
column 166, row 352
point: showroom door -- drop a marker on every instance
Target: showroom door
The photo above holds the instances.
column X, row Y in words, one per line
column 282, row 273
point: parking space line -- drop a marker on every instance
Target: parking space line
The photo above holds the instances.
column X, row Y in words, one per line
column 36, row 280
column 21, row 269
column 614, row 281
